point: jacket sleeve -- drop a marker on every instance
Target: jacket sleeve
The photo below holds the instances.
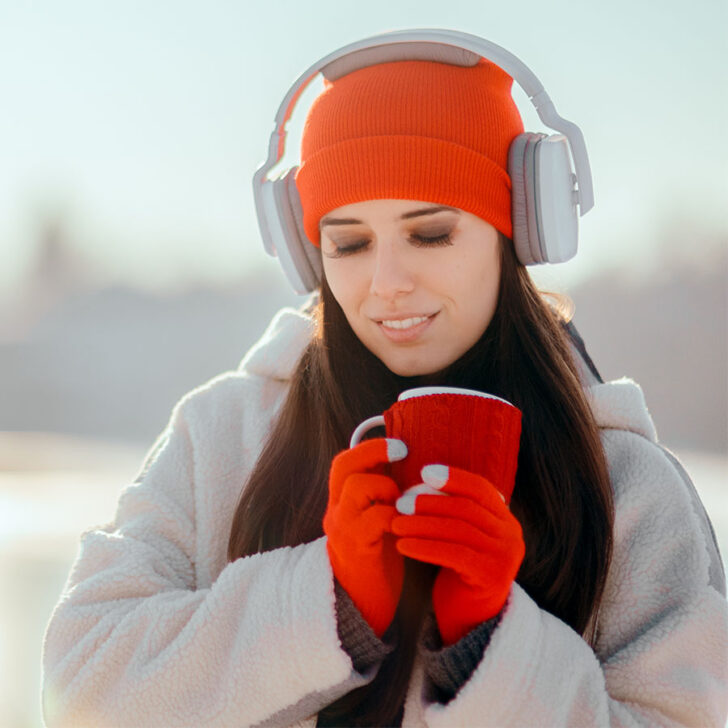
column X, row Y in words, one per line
column 661, row 656
column 134, row 642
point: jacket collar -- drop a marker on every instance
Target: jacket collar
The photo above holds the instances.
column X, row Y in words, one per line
column 275, row 355
column 618, row 404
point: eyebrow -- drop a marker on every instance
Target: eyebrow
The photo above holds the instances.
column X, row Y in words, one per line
column 407, row 215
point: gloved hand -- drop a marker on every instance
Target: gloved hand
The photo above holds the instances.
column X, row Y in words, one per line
column 471, row 535
column 357, row 522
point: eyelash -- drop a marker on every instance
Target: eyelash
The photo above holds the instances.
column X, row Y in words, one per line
column 421, row 243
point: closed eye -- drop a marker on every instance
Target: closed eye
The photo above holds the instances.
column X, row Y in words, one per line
column 418, row 240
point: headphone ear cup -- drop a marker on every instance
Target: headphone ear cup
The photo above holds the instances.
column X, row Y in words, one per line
column 521, row 164
column 302, row 266
column 543, row 198
column 311, row 251
column 555, row 199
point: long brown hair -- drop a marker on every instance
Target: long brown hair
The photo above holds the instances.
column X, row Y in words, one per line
column 562, row 495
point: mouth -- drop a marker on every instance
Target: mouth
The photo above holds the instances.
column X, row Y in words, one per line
column 405, row 318
column 408, row 329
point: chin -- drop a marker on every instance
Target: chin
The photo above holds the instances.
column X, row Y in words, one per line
column 414, row 369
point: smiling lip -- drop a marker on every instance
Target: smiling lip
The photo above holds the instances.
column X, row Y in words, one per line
column 405, row 335
column 403, row 316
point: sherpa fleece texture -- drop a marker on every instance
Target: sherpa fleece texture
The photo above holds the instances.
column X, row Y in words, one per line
column 155, row 628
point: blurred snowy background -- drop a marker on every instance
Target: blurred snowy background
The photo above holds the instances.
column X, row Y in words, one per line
column 132, row 268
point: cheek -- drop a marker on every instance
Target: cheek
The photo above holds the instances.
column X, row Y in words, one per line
column 479, row 282
column 344, row 286
column 491, row 285
column 477, row 275
column 332, row 278
column 491, row 281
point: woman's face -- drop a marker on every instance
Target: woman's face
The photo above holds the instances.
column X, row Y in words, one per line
column 396, row 260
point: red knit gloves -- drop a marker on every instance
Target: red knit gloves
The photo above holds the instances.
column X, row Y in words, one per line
column 472, row 535
column 357, row 522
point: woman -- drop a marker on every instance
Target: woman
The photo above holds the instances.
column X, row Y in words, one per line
column 245, row 581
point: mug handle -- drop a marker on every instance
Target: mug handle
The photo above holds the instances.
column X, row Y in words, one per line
column 363, row 428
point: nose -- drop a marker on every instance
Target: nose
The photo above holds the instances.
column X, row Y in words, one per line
column 392, row 275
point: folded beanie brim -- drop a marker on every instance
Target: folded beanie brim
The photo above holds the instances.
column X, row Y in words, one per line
column 408, row 167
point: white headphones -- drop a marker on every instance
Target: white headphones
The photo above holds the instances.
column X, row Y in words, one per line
column 545, row 191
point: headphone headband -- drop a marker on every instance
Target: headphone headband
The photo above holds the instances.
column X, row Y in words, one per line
column 551, row 183
column 444, row 46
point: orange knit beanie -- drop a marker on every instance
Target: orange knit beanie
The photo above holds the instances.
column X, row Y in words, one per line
column 414, row 130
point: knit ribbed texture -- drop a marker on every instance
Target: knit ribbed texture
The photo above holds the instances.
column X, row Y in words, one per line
column 449, row 668
column 357, row 638
column 474, row 433
column 416, row 130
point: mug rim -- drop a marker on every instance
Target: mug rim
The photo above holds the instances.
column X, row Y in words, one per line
column 424, row 391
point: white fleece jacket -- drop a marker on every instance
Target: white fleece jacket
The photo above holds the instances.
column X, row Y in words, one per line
column 155, row 628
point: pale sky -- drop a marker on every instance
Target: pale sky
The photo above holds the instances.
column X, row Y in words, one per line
column 141, row 123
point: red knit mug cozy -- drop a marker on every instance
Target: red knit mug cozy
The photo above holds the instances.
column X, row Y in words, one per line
column 461, row 428
column 417, row 130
